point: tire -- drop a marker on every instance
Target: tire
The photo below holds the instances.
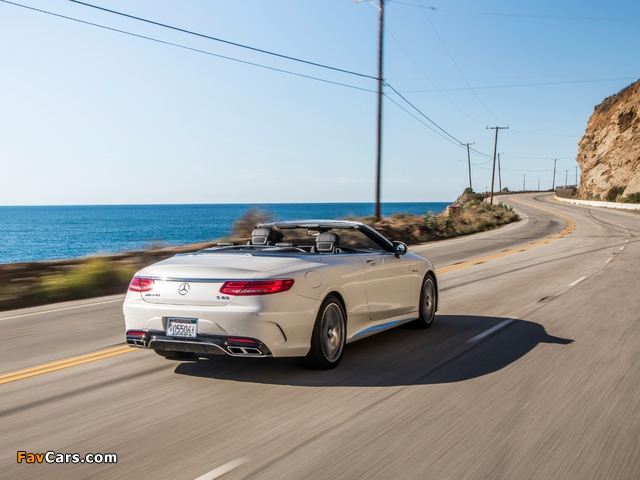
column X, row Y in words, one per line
column 428, row 302
column 171, row 355
column 329, row 336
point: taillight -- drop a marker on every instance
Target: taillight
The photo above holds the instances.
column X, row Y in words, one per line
column 256, row 287
column 141, row 284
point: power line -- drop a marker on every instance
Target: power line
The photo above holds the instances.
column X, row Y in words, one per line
column 427, row 77
column 546, row 134
column 480, row 166
column 442, row 132
column 228, row 42
column 288, row 72
column 543, row 84
column 285, row 57
column 455, row 140
column 544, row 158
column 421, row 121
column 424, row 10
column 423, row 115
column 523, row 15
column 451, row 138
column 527, row 171
column 447, row 137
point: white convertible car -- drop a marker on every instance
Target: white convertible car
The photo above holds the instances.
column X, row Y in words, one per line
column 297, row 289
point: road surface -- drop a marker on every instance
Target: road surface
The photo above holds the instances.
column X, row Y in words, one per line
column 531, row 370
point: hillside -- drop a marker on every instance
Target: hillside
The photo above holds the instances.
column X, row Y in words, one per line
column 609, row 151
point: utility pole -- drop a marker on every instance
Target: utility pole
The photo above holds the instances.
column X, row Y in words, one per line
column 379, row 160
column 499, row 175
column 380, row 83
column 566, row 173
column 553, row 184
column 524, row 182
column 469, row 161
column 576, row 167
column 495, row 149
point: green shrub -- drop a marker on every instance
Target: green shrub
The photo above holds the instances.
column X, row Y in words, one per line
column 614, row 192
column 93, row 278
column 633, row 198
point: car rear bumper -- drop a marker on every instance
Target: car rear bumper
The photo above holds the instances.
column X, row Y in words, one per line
column 283, row 325
column 234, row 346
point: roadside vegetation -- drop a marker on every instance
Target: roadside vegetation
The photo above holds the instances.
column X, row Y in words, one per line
column 40, row 283
column 468, row 214
column 90, row 278
column 615, row 194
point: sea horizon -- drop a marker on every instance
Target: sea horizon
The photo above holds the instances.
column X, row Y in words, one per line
column 218, row 203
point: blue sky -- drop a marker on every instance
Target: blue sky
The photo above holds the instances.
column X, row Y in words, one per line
column 93, row 116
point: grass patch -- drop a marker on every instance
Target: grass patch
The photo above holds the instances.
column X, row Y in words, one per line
column 94, row 278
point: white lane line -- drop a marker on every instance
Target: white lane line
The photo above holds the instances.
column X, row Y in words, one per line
column 621, row 248
column 577, row 281
column 490, row 331
column 608, row 260
column 62, row 309
column 222, row 469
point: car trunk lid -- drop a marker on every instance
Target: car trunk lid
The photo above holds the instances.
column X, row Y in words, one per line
column 196, row 279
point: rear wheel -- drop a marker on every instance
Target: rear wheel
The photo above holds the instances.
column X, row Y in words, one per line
column 171, row 355
column 329, row 336
column 428, row 302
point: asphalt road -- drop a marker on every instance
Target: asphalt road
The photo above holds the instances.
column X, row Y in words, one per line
column 531, row 370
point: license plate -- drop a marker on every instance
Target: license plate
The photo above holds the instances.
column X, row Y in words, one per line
column 181, row 327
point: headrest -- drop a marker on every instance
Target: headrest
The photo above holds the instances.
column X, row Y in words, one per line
column 265, row 236
column 327, row 242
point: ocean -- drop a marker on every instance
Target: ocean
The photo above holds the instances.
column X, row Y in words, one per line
column 34, row 233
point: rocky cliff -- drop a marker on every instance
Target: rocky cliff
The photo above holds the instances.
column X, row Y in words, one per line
column 609, row 151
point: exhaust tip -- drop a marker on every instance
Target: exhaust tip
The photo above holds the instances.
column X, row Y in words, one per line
column 234, row 350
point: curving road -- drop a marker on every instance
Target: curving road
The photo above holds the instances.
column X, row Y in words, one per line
column 532, row 370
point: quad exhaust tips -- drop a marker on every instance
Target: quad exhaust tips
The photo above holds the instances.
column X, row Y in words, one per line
column 244, row 350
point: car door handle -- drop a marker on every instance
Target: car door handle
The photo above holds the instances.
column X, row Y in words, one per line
column 372, row 262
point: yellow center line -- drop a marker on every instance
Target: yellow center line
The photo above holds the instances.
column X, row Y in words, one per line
column 101, row 355
column 70, row 362
column 570, row 227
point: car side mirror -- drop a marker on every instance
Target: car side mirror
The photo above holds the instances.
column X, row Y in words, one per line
column 399, row 248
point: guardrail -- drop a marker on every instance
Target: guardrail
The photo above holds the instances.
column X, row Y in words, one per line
column 593, row 203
